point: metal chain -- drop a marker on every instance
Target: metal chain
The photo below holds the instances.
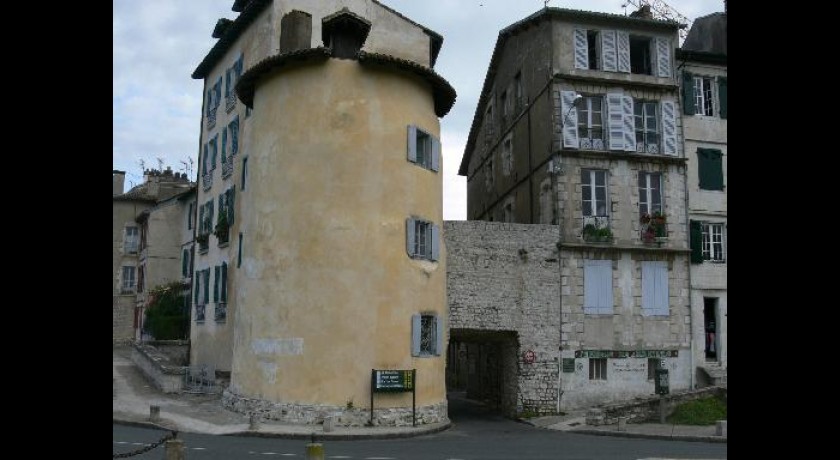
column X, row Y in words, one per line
column 143, row 450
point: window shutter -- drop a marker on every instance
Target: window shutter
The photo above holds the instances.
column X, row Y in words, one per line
column 435, row 242
column 648, row 289
column 581, row 50
column 688, row 94
column 224, row 145
column 615, row 119
column 710, row 169
column 409, row 237
column 230, row 200
column 218, row 91
column 206, row 285
column 696, row 241
column 660, row 273
column 216, row 271
column 412, row 143
column 605, row 298
column 209, row 101
column 185, row 255
column 200, row 219
column 222, row 207
column 196, row 288
column 435, row 154
column 663, row 57
column 227, row 82
column 623, row 42
column 722, row 96
column 239, row 256
column 439, row 335
column 669, row 127
column 608, row 51
column 210, row 212
column 415, row 335
column 629, row 123
column 224, row 281
column 234, row 135
column 590, row 284
column 204, row 161
column 569, row 121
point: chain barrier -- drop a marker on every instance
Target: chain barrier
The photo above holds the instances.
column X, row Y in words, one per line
column 143, row 450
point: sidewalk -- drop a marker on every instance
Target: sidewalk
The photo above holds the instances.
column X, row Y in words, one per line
column 191, row 413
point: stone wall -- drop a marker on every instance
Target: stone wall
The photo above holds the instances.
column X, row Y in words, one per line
column 156, row 366
column 647, row 410
column 123, row 317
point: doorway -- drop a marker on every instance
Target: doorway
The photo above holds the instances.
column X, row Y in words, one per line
column 710, row 328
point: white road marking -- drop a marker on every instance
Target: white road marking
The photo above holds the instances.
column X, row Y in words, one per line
column 339, row 456
column 380, row 458
column 289, row 455
column 270, row 453
column 198, row 448
column 120, row 442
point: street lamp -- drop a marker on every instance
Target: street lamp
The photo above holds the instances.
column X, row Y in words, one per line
column 555, row 168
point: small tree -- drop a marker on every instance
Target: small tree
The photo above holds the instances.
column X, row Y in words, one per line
column 167, row 316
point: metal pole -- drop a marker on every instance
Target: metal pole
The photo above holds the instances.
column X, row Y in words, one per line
column 372, row 386
column 414, row 397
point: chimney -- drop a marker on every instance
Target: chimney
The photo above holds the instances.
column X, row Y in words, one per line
column 642, row 13
column 119, row 182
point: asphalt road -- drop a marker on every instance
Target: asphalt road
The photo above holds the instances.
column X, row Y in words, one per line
column 475, row 435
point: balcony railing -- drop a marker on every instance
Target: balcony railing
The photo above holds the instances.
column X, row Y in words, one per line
column 596, row 229
column 591, row 144
column 211, row 118
column 230, row 102
column 227, row 167
column 207, row 180
column 199, row 313
column 641, row 147
column 221, row 312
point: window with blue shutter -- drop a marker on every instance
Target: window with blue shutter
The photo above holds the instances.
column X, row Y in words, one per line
column 426, row 335
column 615, row 119
column 655, row 288
column 422, row 239
column 630, row 134
column 415, row 335
column 663, row 57
column 230, row 200
column 410, row 237
column 669, row 127
column 197, row 288
column 233, row 127
column 597, row 287
column 218, row 88
column 423, row 149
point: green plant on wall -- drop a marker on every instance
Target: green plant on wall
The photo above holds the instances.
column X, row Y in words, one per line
column 597, row 233
column 167, row 315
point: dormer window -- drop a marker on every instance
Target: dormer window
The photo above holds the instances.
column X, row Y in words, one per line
column 345, row 33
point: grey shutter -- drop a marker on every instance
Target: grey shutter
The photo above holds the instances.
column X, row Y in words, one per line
column 224, row 144
column 581, row 50
column 409, row 236
column 435, row 154
column 569, row 121
column 590, row 284
column 688, row 94
column 216, row 274
column 224, row 282
column 663, row 57
column 615, row 120
column 415, row 335
column 623, row 46
column 412, row 143
column 435, row 242
column 669, row 127
column 661, row 288
column 439, row 333
column 608, row 50
column 648, row 289
column 605, row 298
column 629, row 123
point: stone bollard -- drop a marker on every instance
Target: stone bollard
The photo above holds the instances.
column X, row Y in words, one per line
column 174, row 450
column 154, row 413
column 720, row 428
column 314, row 450
column 254, row 422
column 622, row 423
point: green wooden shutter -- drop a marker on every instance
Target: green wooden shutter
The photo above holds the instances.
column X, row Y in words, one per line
column 216, row 273
column 206, row 285
column 722, row 95
column 696, row 241
column 224, row 145
column 710, row 168
column 688, row 94
column 224, row 281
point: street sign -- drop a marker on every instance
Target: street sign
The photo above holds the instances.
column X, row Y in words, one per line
column 393, row 381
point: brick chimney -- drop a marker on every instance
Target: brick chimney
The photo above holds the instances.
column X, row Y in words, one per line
column 119, row 182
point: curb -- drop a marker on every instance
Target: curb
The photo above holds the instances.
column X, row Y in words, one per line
column 142, row 424
column 626, row 434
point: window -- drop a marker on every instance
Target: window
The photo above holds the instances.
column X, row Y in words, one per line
column 590, row 116
column 214, row 151
column 597, row 368
column 423, row 148
column 244, row 173
column 190, row 212
column 640, row 59
column 131, row 240
column 507, row 155
column 710, row 168
column 129, row 282
column 650, row 193
column 653, row 365
column 712, row 235
column 185, row 263
column 592, row 49
column 489, row 174
column 597, row 287
column 422, row 239
column 426, row 335
column 703, row 96
column 141, row 270
column 655, row 288
column 239, row 255
column 647, row 123
column 233, row 128
column 594, row 192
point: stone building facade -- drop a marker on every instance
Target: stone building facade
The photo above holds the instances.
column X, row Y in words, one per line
column 579, row 125
column 308, row 248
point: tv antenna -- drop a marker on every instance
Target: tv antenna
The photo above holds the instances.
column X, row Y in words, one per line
column 160, row 164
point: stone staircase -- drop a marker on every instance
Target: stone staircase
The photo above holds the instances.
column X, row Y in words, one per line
column 715, row 372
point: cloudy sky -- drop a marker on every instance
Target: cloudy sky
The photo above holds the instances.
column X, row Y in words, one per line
column 158, row 44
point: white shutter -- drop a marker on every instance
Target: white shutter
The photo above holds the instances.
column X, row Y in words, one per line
column 569, row 122
column 663, row 57
column 623, row 45
column 409, row 236
column 629, row 123
column 415, row 335
column 581, row 50
column 435, row 242
column 669, row 127
column 608, row 51
column 605, row 297
column 615, row 120
column 412, row 143
column 648, row 289
column 435, row 154
column 440, row 335
column 661, row 291
column 590, row 287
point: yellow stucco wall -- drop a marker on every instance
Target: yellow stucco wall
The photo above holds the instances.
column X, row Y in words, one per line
column 326, row 290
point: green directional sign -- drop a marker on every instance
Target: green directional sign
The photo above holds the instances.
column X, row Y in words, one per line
column 393, row 380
